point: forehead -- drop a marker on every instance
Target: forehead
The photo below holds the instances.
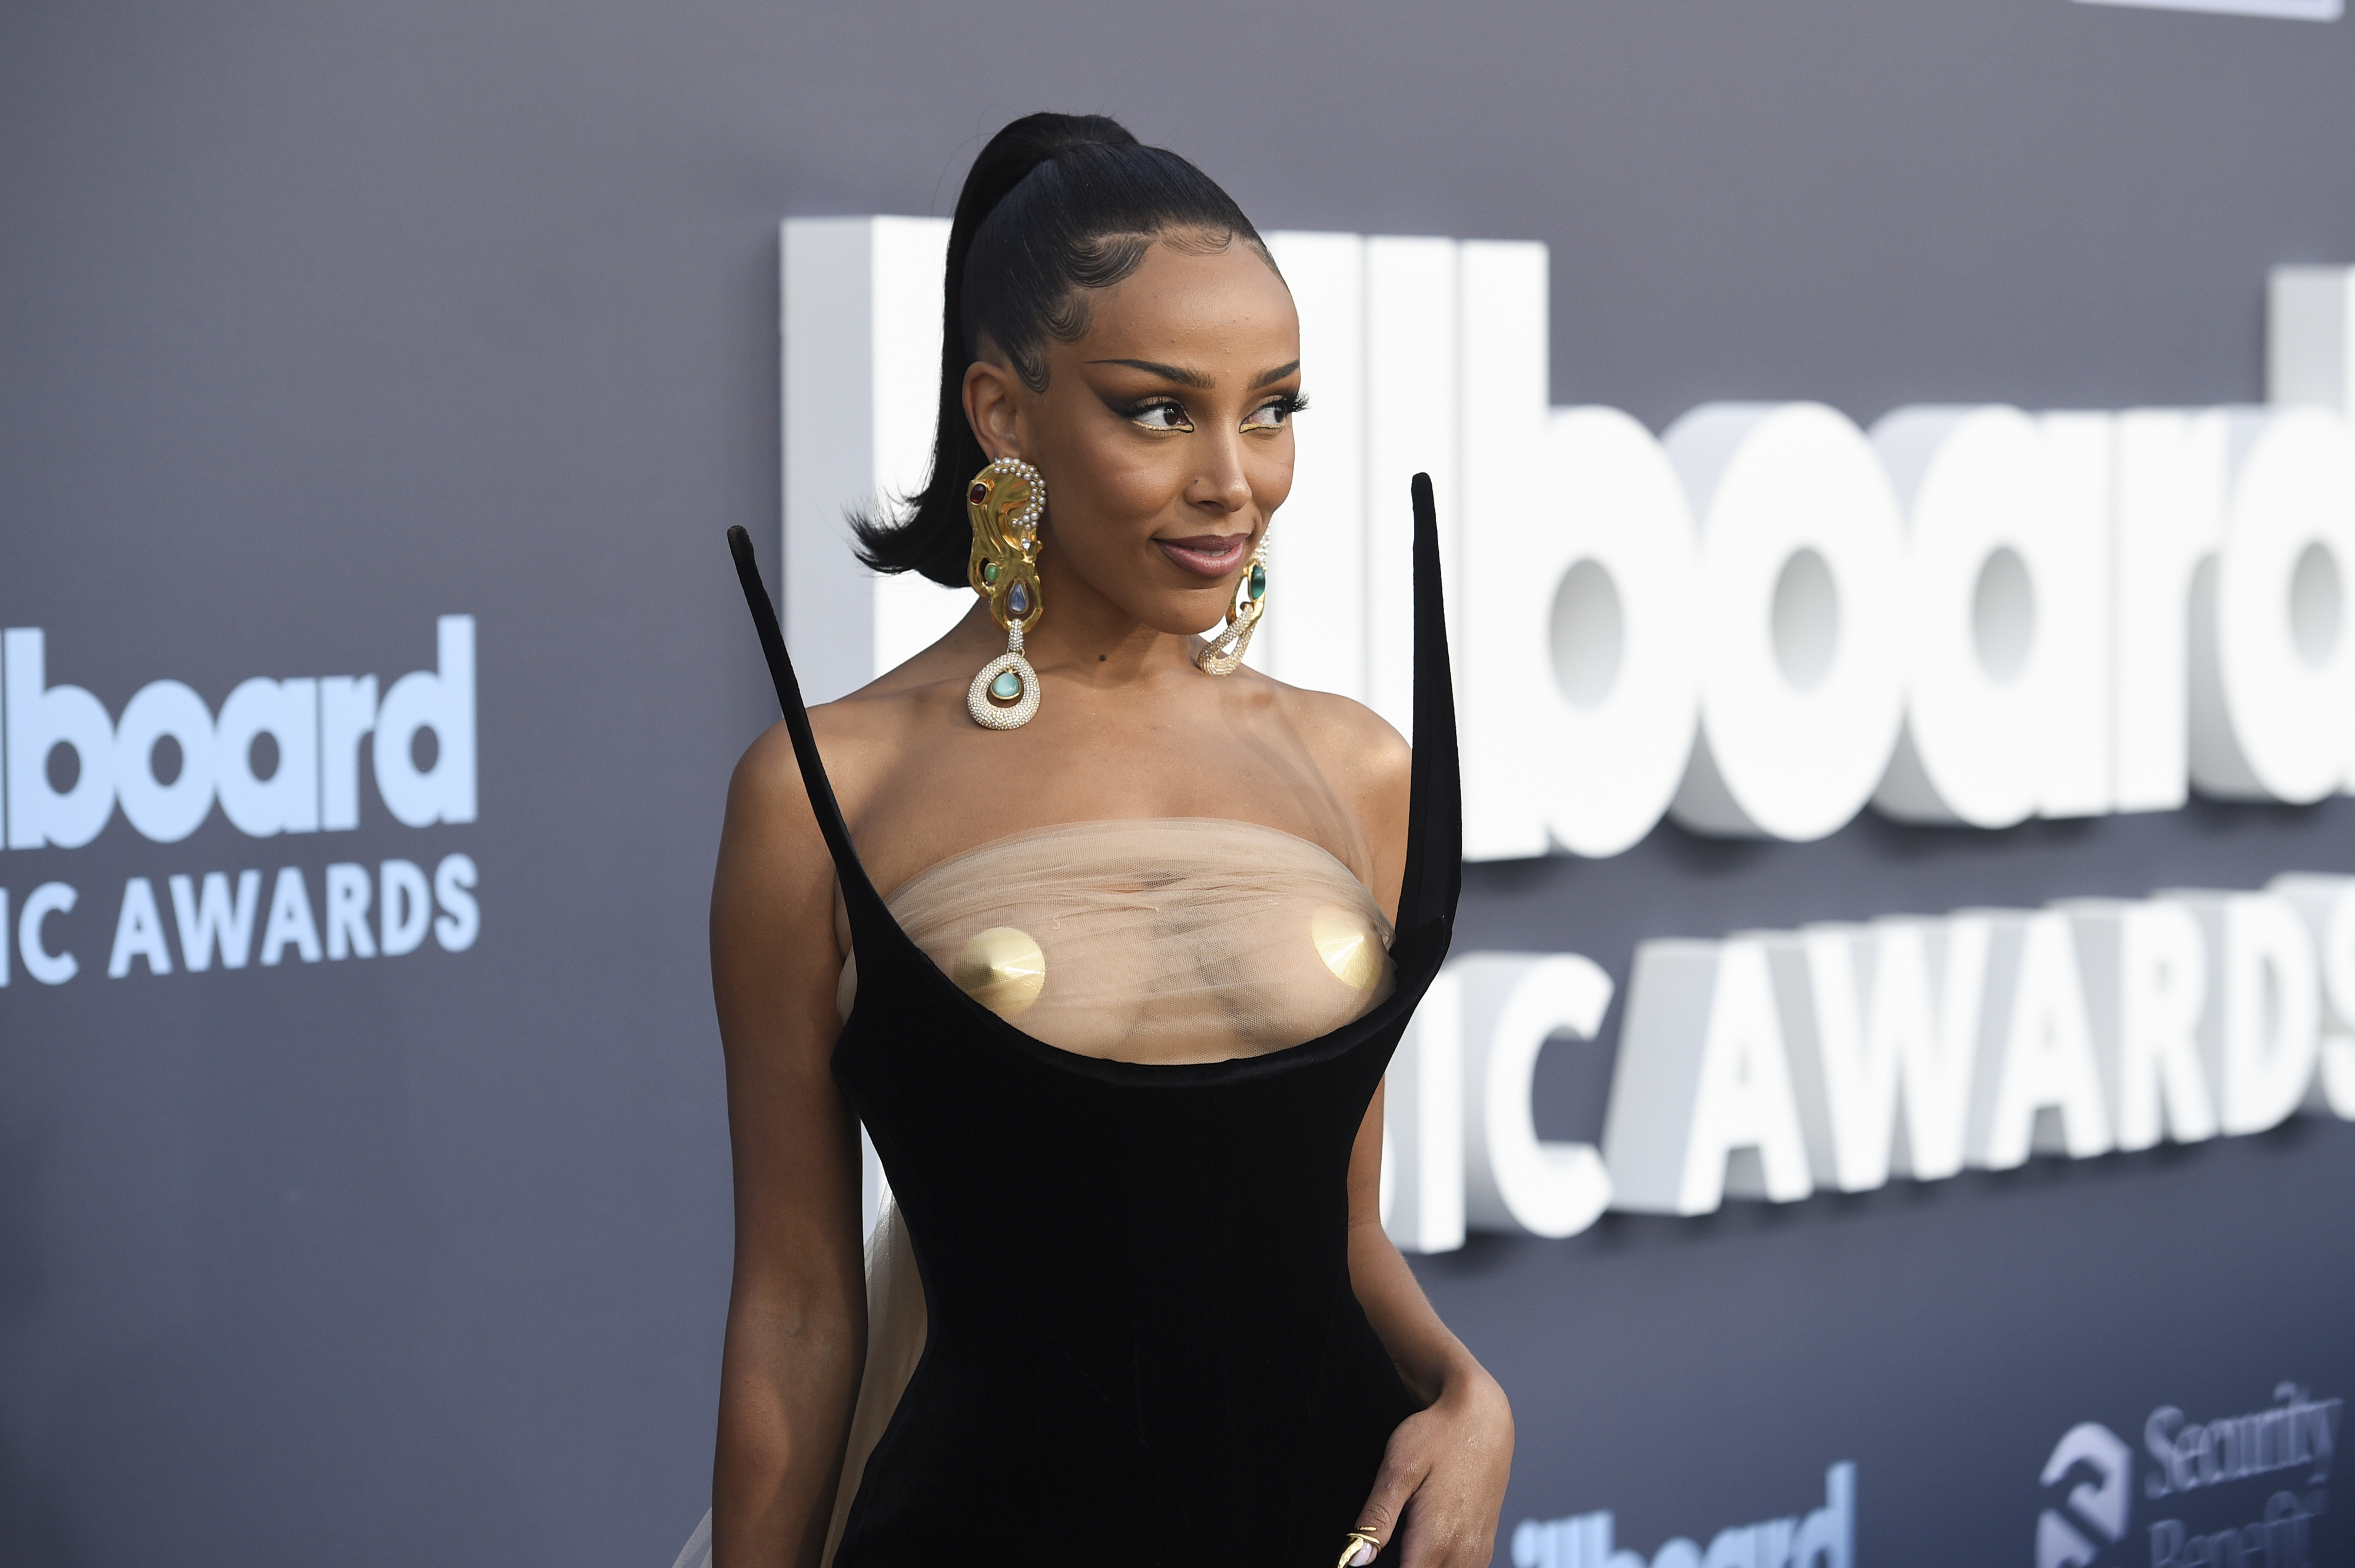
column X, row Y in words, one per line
column 1199, row 307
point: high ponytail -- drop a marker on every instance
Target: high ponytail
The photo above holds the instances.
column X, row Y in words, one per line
column 1056, row 204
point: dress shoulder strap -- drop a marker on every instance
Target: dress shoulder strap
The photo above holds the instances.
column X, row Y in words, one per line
column 865, row 907
column 1434, row 835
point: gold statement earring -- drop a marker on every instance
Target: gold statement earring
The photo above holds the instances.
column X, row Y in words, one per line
column 1006, row 501
column 1223, row 654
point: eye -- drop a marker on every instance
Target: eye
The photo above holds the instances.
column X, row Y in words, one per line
column 1276, row 412
column 1163, row 415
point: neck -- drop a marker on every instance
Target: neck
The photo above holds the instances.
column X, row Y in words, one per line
column 1085, row 636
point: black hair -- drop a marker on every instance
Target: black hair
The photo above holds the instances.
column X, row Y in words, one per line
column 1055, row 205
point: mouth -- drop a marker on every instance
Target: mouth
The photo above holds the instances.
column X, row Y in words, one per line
column 1208, row 555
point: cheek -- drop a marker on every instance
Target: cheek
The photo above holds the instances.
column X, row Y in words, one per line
column 1271, row 476
column 1129, row 484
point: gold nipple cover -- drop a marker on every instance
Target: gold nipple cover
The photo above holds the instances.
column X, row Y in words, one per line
column 1003, row 968
column 1347, row 944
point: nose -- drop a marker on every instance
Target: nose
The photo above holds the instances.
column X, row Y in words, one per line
column 1222, row 483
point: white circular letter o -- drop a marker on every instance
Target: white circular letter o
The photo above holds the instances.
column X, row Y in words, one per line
column 1797, row 626
column 162, row 813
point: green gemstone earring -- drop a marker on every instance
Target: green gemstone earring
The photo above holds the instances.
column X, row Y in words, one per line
column 1223, row 654
column 1004, row 502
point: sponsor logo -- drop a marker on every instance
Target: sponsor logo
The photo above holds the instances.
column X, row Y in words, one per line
column 1821, row 1538
column 280, row 757
column 2097, row 1505
column 2232, row 1491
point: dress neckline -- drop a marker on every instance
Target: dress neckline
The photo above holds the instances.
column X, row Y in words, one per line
column 1412, row 955
column 1415, row 958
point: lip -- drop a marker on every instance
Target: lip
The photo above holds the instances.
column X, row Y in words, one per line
column 1207, row 555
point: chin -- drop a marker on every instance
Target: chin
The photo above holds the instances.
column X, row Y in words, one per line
column 1183, row 617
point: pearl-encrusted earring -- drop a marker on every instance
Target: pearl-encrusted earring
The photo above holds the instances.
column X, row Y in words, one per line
column 1006, row 501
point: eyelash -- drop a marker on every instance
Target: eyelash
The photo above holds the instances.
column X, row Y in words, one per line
column 1286, row 405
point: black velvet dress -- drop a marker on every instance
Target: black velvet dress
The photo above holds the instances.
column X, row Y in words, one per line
column 1142, row 1346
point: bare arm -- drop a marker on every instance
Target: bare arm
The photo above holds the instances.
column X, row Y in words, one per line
column 1428, row 1357
column 797, row 1310
column 1434, row 1502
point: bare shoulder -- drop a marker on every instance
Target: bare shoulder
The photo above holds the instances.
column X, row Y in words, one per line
column 1369, row 769
column 860, row 738
column 1354, row 747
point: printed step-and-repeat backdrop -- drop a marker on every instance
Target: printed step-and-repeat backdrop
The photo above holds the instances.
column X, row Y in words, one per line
column 1891, row 1103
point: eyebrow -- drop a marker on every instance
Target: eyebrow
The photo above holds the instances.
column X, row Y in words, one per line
column 1186, row 377
column 1167, row 372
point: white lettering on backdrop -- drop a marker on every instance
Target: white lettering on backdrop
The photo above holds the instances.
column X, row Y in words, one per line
column 308, row 779
column 1773, row 1064
column 1765, row 618
column 281, row 757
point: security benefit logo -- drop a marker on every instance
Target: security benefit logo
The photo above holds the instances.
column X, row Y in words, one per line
column 281, row 759
column 1821, row 1537
column 2229, row 1491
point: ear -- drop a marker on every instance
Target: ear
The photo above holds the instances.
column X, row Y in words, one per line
column 993, row 397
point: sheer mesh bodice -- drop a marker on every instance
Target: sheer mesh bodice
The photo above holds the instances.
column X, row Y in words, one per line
column 1187, row 939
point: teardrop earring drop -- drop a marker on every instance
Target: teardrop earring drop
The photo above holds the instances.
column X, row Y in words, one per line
column 1223, row 654
column 1004, row 502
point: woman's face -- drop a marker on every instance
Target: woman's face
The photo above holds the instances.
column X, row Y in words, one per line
column 1164, row 434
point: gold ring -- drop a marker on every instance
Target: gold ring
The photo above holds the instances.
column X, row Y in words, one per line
column 1358, row 1538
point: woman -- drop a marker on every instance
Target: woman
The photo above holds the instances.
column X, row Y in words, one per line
column 1122, row 1068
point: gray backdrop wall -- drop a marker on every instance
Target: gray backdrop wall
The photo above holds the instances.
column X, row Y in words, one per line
column 319, row 321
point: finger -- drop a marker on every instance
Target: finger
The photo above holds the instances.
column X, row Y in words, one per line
column 1377, row 1520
